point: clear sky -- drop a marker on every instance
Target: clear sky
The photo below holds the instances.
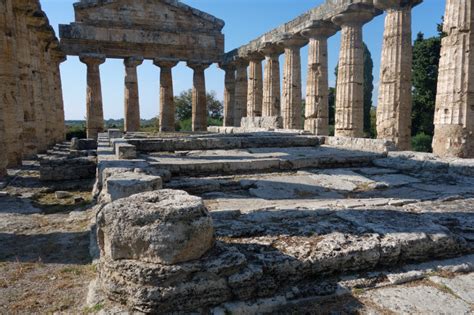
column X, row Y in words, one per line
column 245, row 20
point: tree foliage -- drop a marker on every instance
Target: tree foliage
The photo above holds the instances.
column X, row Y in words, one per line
column 184, row 105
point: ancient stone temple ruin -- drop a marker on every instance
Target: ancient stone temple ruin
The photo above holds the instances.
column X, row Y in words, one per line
column 268, row 214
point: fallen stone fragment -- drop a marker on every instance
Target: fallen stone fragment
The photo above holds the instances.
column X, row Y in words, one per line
column 63, row 194
column 400, row 278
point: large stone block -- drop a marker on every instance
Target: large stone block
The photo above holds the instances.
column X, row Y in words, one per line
column 83, row 144
column 125, row 184
column 273, row 122
column 163, row 227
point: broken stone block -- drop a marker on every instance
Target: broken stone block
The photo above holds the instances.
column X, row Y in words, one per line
column 163, row 227
column 122, row 185
column 83, row 144
column 272, row 122
column 62, row 194
column 125, row 151
column 114, row 133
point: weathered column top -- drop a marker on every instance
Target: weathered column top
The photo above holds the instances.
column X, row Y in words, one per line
column 241, row 62
column 293, row 41
column 165, row 62
column 320, row 29
column 228, row 66
column 354, row 17
column 254, row 56
column 395, row 4
column 271, row 49
column 132, row 62
column 92, row 59
column 198, row 66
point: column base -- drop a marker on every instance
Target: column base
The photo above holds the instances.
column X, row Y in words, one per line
column 268, row 122
column 453, row 141
column 317, row 126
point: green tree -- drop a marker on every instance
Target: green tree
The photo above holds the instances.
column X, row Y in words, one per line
column 426, row 54
column 184, row 105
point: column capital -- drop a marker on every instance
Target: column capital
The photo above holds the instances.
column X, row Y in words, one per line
column 227, row 66
column 198, row 66
column 241, row 62
column 132, row 62
column 165, row 62
column 254, row 56
column 320, row 29
column 355, row 17
column 395, row 4
column 293, row 41
column 92, row 59
column 58, row 56
column 271, row 49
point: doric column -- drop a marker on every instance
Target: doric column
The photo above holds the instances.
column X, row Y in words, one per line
column 229, row 93
column 241, row 86
column 167, row 107
column 395, row 101
column 199, row 119
column 132, row 101
column 271, row 80
column 49, row 94
column 317, row 89
column 454, row 115
column 350, row 77
column 57, row 58
column 255, row 85
column 291, row 99
column 95, row 112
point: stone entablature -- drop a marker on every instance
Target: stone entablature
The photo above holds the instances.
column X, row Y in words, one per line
column 150, row 29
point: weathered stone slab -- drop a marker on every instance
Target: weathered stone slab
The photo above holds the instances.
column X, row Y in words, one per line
column 272, row 122
column 461, row 285
column 361, row 144
column 60, row 169
column 83, row 144
column 395, row 180
column 125, row 151
column 122, row 185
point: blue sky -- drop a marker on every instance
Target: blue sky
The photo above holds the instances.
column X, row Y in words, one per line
column 245, row 20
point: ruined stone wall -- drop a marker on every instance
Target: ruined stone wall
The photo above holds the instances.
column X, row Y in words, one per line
column 31, row 107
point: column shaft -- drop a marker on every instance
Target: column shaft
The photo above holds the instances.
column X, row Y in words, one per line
column 199, row 118
column 317, row 90
column 167, row 106
column 95, row 113
column 229, row 95
column 454, row 115
column 241, row 86
column 58, row 96
column 255, row 89
column 291, row 100
column 395, row 100
column 271, row 86
column 132, row 101
column 350, row 83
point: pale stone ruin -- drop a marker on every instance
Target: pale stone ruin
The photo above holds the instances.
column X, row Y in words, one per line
column 267, row 214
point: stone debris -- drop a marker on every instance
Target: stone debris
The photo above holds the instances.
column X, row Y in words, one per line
column 62, row 194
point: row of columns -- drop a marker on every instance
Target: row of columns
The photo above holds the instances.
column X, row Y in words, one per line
column 31, row 103
column 95, row 113
column 394, row 110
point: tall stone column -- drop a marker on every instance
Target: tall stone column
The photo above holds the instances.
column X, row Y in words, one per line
column 95, row 111
column 199, row 119
column 58, row 57
column 241, row 87
column 10, row 105
column 395, row 101
column 167, row 106
column 454, row 115
column 271, row 80
column 229, row 93
column 49, row 93
column 350, row 78
column 317, row 90
column 292, row 99
column 255, row 85
column 132, row 98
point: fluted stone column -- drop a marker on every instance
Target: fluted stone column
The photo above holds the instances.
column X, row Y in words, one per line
column 95, row 112
column 317, row 89
column 395, row 100
column 454, row 115
column 59, row 58
column 167, row 106
column 199, row 119
column 49, row 94
column 291, row 98
column 132, row 99
column 271, row 80
column 11, row 107
column 350, row 78
column 229, row 93
column 241, row 87
column 255, row 85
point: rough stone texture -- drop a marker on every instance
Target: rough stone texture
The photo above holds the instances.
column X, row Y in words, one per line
column 395, row 100
column 454, row 114
column 114, row 133
column 167, row 106
column 241, row 91
column 271, row 80
column 164, row 227
column 83, row 144
column 291, row 96
column 267, row 122
column 361, row 144
column 132, row 102
column 63, row 169
column 317, row 90
column 151, row 29
column 125, row 151
column 124, row 184
column 95, row 111
column 229, row 94
column 255, row 88
column 461, row 285
column 199, row 118
column 350, row 78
